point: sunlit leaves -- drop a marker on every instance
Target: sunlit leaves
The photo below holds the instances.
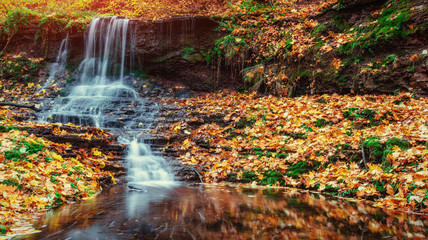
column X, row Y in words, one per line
column 314, row 142
column 37, row 174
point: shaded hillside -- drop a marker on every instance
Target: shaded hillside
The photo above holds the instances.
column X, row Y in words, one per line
column 328, row 46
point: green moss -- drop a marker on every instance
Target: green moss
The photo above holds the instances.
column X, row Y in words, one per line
column 318, row 29
column 244, row 122
column 350, row 193
column 378, row 151
column 331, row 190
column 13, row 183
column 4, row 128
column 391, row 23
column 401, row 143
column 295, row 170
column 21, row 151
column 272, row 177
column 356, row 113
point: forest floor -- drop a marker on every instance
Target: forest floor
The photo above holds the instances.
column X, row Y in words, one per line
column 372, row 147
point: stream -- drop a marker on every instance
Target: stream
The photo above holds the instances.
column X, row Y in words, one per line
column 220, row 212
column 154, row 206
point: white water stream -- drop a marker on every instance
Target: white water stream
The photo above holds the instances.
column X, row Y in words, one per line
column 57, row 69
column 103, row 99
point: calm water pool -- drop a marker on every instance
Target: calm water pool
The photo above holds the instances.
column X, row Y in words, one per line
column 221, row 212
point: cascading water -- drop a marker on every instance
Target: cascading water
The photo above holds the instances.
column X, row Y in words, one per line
column 58, row 68
column 103, row 99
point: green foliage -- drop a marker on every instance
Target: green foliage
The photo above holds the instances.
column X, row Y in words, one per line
column 340, row 22
column 389, row 59
column 52, row 178
column 250, row 6
column 58, row 197
column 375, row 147
column 48, row 159
column 348, row 61
column 356, row 113
column 77, row 169
column 318, row 29
column 44, row 20
column 307, row 128
column 295, row 170
column 4, row 128
column 401, row 143
column 14, row 155
column 20, row 67
column 33, row 147
column 246, row 176
column 297, row 135
column 21, row 151
column 331, row 190
column 13, row 183
column 272, row 177
column 350, row 193
column 380, row 186
column 229, row 49
column 391, row 23
column 379, row 151
column 228, row 46
column 15, row 19
column 321, row 122
column 3, row 229
column 140, row 74
column 343, row 147
column 187, row 51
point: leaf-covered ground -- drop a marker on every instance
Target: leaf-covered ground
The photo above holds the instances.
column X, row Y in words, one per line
column 312, row 142
column 293, row 47
column 37, row 174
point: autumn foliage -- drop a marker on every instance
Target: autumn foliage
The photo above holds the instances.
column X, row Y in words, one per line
column 38, row 174
column 314, row 142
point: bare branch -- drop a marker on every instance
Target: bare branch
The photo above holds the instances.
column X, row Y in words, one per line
column 20, row 106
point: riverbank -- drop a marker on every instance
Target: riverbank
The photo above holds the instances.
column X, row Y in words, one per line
column 370, row 147
column 43, row 165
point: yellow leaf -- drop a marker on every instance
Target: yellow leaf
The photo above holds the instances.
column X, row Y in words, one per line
column 56, row 156
column 112, row 178
column 102, row 164
column 97, row 153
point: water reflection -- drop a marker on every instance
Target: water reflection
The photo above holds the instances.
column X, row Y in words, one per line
column 209, row 212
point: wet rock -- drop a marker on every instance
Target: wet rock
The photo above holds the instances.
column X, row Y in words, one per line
column 419, row 80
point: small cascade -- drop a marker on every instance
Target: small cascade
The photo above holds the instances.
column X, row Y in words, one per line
column 144, row 167
column 103, row 98
column 57, row 69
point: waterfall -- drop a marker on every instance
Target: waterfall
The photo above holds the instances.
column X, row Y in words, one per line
column 57, row 69
column 103, row 98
